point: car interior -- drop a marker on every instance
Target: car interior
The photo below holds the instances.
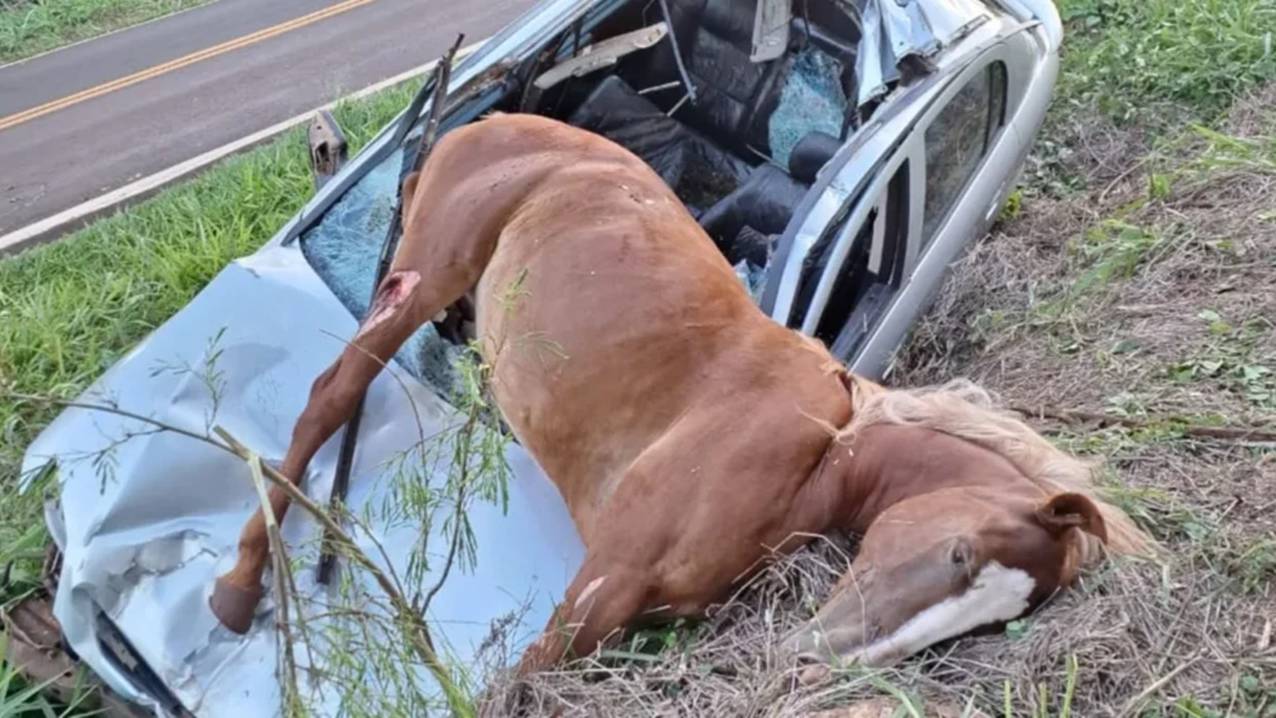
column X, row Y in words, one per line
column 739, row 139
column 737, row 107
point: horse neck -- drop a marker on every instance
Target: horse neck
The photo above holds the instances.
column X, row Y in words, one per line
column 891, row 463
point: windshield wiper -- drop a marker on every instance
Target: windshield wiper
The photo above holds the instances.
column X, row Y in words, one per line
column 414, row 158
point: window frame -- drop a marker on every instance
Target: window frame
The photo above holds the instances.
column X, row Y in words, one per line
column 884, row 258
column 909, row 153
column 1030, row 74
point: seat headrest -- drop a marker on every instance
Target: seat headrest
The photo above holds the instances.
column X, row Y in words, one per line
column 811, row 153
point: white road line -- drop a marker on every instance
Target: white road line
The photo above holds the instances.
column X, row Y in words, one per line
column 150, row 183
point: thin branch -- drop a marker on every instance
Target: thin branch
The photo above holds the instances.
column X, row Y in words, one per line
column 280, row 574
column 371, row 536
column 403, row 386
column 459, row 510
column 1076, row 416
column 417, row 632
column 111, row 409
column 415, row 629
column 422, row 441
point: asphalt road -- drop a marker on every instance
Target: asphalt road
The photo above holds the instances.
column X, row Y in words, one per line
column 87, row 119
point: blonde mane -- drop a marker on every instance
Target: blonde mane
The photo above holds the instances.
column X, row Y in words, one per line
column 964, row 410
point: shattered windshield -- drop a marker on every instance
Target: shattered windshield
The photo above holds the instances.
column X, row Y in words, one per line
column 344, row 246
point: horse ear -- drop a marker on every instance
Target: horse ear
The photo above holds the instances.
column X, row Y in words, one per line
column 1064, row 511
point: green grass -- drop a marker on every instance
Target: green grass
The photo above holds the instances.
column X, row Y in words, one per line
column 29, row 27
column 18, row 698
column 70, row 310
column 1151, row 66
column 1132, row 57
column 1233, row 361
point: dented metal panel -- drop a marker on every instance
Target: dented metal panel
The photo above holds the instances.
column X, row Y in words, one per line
column 142, row 543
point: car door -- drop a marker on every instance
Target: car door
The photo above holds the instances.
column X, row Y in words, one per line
column 966, row 153
column 931, row 181
column 929, row 178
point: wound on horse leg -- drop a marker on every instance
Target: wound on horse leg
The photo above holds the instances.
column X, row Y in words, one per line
column 394, row 291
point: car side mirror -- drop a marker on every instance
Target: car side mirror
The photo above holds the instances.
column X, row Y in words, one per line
column 327, row 147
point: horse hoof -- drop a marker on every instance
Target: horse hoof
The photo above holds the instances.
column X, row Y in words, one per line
column 234, row 605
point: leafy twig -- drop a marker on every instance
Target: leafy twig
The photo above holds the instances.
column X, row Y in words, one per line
column 112, row 409
column 414, row 627
column 416, row 631
column 463, row 449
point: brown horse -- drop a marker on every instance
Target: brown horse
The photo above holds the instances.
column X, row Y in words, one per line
column 689, row 434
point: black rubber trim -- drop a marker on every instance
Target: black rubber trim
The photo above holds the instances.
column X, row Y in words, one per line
column 135, row 667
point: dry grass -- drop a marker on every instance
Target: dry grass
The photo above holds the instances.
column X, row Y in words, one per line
column 1127, row 637
column 1150, row 295
column 1153, row 296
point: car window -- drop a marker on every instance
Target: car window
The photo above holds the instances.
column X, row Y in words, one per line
column 957, row 139
column 344, row 247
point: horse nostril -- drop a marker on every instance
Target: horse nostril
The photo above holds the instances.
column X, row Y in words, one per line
column 813, row 674
column 962, row 553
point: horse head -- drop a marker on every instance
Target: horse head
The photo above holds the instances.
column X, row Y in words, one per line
column 943, row 564
column 969, row 520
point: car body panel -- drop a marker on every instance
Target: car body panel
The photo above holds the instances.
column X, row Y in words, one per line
column 143, row 545
column 984, row 194
column 877, row 150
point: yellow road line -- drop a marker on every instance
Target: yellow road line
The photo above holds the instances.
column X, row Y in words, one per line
column 18, row 118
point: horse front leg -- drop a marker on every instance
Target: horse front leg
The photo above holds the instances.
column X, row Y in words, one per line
column 400, row 306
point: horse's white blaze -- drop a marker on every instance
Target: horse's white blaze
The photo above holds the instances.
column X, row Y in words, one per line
column 998, row 594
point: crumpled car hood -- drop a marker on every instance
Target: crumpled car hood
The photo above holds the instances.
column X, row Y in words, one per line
column 144, row 533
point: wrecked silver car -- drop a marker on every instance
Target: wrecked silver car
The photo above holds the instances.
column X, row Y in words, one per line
column 840, row 153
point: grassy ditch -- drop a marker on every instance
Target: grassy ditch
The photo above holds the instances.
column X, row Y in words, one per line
column 30, row 27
